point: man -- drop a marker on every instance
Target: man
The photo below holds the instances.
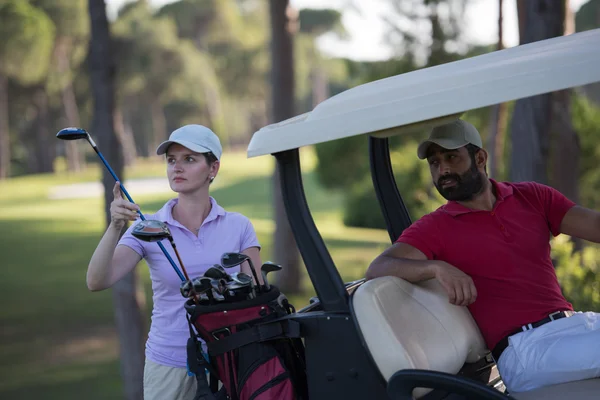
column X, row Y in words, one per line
column 489, row 248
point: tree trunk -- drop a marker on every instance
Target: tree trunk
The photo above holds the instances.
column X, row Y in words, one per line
column 282, row 103
column 498, row 115
column 44, row 149
column 4, row 129
column 566, row 151
column 159, row 126
column 63, row 51
column 530, row 126
column 126, row 139
column 128, row 314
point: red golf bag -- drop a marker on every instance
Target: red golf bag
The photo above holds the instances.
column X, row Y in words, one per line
column 254, row 350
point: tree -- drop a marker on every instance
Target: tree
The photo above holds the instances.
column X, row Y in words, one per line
column 499, row 115
column 283, row 27
column 531, row 122
column 125, row 294
column 25, row 50
column 70, row 45
column 445, row 19
column 314, row 23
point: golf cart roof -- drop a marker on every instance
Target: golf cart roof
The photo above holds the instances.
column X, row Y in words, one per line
column 429, row 96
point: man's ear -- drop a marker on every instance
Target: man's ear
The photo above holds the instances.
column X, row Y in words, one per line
column 481, row 158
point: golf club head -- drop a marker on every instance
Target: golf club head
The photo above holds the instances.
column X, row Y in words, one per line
column 230, row 260
column 202, row 284
column 151, row 230
column 241, row 278
column 270, row 267
column 72, row 134
column 186, row 289
column 216, row 273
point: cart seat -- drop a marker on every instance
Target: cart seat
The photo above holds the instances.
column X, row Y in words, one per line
column 408, row 326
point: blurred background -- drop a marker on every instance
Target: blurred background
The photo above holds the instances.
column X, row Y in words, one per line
column 130, row 72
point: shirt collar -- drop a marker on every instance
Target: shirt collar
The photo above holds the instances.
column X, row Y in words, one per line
column 165, row 214
column 503, row 191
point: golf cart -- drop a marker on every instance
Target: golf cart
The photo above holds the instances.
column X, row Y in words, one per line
column 387, row 338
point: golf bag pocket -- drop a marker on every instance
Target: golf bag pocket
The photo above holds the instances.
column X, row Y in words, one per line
column 254, row 350
column 262, row 374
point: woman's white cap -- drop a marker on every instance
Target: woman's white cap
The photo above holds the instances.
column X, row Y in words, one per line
column 197, row 138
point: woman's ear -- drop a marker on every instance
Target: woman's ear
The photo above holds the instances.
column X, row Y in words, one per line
column 214, row 168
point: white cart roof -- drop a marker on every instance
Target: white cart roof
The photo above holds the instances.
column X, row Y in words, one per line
column 433, row 95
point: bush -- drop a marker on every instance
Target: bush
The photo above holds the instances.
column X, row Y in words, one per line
column 578, row 273
column 414, row 183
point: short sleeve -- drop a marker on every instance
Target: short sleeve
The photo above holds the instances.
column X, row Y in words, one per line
column 248, row 237
column 423, row 234
column 555, row 206
column 130, row 241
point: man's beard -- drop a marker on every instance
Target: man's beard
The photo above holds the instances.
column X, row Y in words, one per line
column 467, row 185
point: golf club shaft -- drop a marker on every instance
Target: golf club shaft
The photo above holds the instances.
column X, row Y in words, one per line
column 181, row 276
column 254, row 273
column 179, row 258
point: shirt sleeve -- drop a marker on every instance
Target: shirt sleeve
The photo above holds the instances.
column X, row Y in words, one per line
column 423, row 234
column 555, row 206
column 248, row 237
column 130, row 241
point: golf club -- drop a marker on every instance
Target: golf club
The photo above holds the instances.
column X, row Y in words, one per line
column 79, row 133
column 217, row 272
column 155, row 231
column 265, row 269
column 230, row 260
column 243, row 280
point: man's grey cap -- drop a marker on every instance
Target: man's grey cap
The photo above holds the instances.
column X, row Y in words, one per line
column 197, row 138
column 451, row 136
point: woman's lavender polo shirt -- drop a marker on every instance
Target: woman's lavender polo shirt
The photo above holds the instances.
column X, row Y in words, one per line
column 220, row 232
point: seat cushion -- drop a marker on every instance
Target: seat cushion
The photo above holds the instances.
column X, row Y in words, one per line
column 580, row 390
column 408, row 326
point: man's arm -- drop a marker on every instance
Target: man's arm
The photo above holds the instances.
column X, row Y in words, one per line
column 582, row 223
column 409, row 263
column 404, row 261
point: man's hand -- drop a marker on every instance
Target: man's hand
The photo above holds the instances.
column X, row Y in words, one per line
column 459, row 286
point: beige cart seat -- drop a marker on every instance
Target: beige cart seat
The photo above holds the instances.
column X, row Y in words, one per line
column 408, row 326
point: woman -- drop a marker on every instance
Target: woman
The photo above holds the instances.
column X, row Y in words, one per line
column 202, row 230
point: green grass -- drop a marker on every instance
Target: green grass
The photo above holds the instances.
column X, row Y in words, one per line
column 57, row 339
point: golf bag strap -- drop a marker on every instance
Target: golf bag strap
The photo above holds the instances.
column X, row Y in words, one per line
column 196, row 360
column 259, row 333
column 195, row 364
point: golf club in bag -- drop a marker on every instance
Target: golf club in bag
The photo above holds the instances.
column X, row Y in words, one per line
column 254, row 350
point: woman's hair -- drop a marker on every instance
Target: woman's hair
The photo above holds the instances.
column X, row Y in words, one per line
column 210, row 157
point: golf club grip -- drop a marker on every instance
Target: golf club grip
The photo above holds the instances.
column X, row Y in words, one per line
column 139, row 211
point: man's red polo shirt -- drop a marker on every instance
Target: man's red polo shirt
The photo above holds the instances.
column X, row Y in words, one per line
column 506, row 252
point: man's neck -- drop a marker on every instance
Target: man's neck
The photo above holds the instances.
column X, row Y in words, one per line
column 484, row 200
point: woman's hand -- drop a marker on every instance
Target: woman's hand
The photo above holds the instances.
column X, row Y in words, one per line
column 121, row 210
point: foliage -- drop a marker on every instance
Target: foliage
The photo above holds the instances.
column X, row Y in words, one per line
column 588, row 16
column 316, row 22
column 586, row 120
column 27, row 36
column 578, row 273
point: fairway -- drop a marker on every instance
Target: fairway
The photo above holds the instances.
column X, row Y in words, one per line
column 58, row 340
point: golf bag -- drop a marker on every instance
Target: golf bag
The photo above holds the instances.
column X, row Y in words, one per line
column 253, row 349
